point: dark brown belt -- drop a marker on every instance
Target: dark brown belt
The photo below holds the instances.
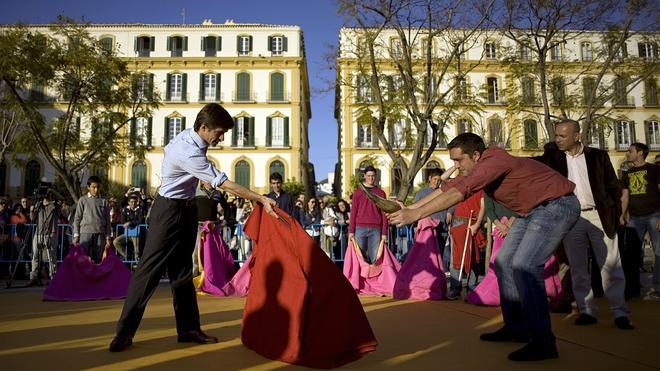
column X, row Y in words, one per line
column 180, row 201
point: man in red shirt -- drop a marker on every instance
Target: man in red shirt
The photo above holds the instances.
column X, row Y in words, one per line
column 548, row 209
column 367, row 223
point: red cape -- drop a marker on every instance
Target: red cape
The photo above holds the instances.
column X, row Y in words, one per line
column 300, row 308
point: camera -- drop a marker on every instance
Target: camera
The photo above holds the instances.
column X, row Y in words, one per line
column 43, row 189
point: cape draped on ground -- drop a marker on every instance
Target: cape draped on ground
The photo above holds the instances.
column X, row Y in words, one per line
column 240, row 283
column 488, row 290
column 422, row 276
column 371, row 279
column 216, row 263
column 300, row 309
column 79, row 279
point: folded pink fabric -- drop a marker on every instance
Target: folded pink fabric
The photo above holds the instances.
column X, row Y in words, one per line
column 80, row 279
column 371, row 279
column 216, row 261
column 422, row 276
column 240, row 283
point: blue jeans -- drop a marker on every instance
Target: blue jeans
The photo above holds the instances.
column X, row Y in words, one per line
column 643, row 224
column 520, row 262
column 368, row 239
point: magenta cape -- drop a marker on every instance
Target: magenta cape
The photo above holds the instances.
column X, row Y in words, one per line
column 488, row 291
column 422, row 276
column 216, row 263
column 80, row 279
column 239, row 284
column 371, row 279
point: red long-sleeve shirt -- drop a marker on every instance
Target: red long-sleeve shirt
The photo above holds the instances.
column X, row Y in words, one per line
column 364, row 213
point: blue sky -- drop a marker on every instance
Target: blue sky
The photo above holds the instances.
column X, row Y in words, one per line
column 317, row 18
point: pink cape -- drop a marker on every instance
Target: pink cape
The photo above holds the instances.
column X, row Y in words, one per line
column 371, row 279
column 422, row 276
column 216, row 263
column 240, row 283
column 488, row 291
column 80, row 279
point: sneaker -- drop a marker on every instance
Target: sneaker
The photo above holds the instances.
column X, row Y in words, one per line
column 653, row 296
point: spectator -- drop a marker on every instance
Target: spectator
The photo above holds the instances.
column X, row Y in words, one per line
column 433, row 179
column 283, row 199
column 131, row 217
column 45, row 216
column 367, row 223
column 91, row 225
column 4, row 230
column 27, row 208
column 343, row 216
column 330, row 227
column 310, row 219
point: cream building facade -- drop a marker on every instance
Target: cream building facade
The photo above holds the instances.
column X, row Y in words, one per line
column 257, row 72
column 490, row 80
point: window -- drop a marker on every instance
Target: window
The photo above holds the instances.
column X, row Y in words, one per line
column 588, row 89
column 555, row 52
column 277, row 87
column 277, row 132
column 528, row 94
column 558, row 90
column 490, row 50
column 144, row 45
column 364, row 136
column 173, row 126
column 277, row 44
column 625, row 134
column 243, row 132
column 32, row 176
column 495, row 131
column 211, row 45
column 176, row 87
column 139, row 174
column 621, row 53
column 587, row 53
column 647, row 50
column 493, row 91
column 107, row 45
column 244, row 45
column 102, row 130
column 364, row 89
column 462, row 53
column 37, row 93
column 463, row 126
column 242, row 171
column 398, row 133
column 652, row 129
column 143, row 86
column 276, row 167
column 621, row 92
column 395, row 86
column 531, row 134
column 525, row 53
column 651, row 92
column 461, row 89
column 140, row 134
column 396, row 49
column 176, row 45
column 597, row 137
column 209, row 87
column 243, row 87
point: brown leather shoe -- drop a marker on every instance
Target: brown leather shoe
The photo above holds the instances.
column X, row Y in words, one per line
column 120, row 343
column 196, row 336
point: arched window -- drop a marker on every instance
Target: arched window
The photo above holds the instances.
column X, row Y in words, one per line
column 277, row 166
column 32, row 175
column 139, row 175
column 242, row 171
column 531, row 134
column 277, row 87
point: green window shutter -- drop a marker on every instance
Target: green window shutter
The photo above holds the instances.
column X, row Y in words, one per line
column 150, row 92
column 168, row 92
column 286, row 131
column 185, row 43
column 238, row 44
column 152, row 43
column 217, row 87
column 134, row 86
column 76, row 135
column 251, row 131
column 234, row 135
column 203, row 47
column 169, row 43
column 633, row 135
column 166, row 130
column 250, row 42
column 284, row 44
column 270, row 43
column 218, row 43
column 132, row 137
column 243, row 91
column 269, row 131
column 201, row 87
column 149, row 126
column 184, row 87
column 183, row 123
column 277, row 87
column 135, row 43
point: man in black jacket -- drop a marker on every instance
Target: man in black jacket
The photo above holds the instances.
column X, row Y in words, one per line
column 283, row 199
column 599, row 192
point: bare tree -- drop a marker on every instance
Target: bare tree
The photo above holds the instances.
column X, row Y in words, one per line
column 10, row 126
column 405, row 62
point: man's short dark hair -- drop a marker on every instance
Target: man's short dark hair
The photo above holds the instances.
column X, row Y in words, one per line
column 214, row 116
column 641, row 147
column 575, row 124
column 276, row 176
column 469, row 143
column 434, row 171
column 369, row 168
column 93, row 179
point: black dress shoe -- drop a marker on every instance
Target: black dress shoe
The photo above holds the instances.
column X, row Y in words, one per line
column 585, row 320
column 623, row 323
column 504, row 334
column 196, row 336
column 120, row 343
column 534, row 351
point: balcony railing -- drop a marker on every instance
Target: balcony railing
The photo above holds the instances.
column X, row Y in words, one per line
column 276, row 97
column 365, row 144
column 246, row 97
column 627, row 101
